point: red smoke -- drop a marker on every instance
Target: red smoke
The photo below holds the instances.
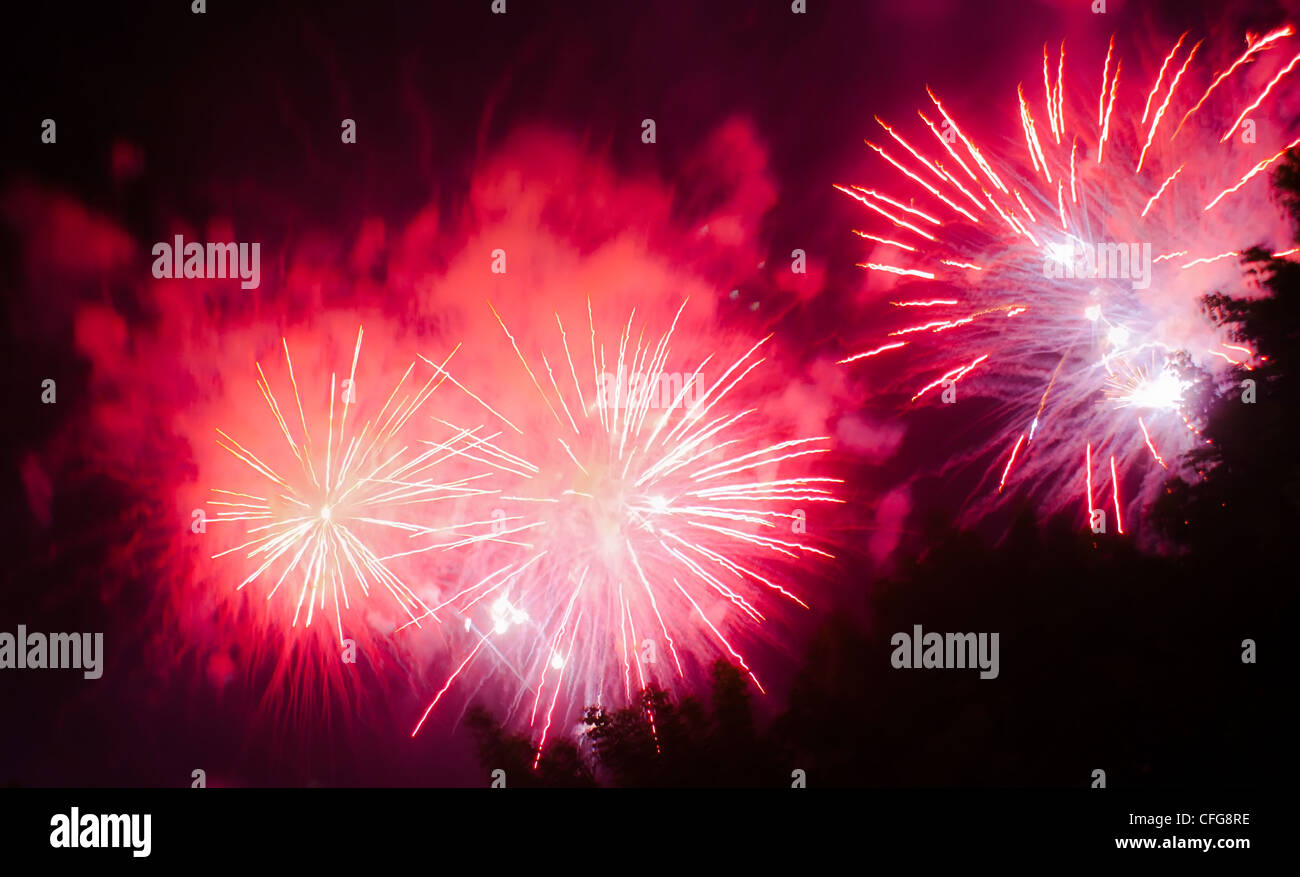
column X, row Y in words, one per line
column 172, row 361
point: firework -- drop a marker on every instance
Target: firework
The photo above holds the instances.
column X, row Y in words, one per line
column 1061, row 275
column 653, row 517
column 319, row 522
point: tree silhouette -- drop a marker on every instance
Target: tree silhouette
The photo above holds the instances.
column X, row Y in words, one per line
column 655, row 742
column 560, row 766
column 659, row 742
column 1242, row 506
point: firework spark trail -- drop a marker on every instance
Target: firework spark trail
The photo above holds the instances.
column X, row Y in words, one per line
column 1160, row 113
column 652, row 518
column 1011, row 461
column 1114, row 483
column 1268, row 89
column 323, row 519
column 1253, row 47
column 1103, row 355
column 894, row 346
column 1253, row 172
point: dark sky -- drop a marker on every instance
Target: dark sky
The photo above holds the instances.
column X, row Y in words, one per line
column 240, row 93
